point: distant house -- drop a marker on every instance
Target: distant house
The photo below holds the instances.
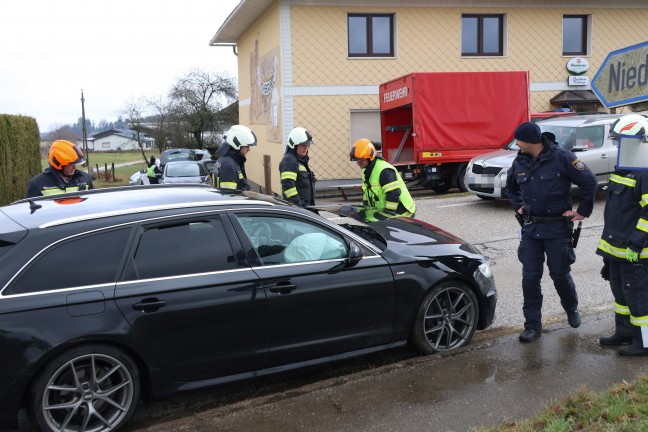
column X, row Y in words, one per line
column 118, row 140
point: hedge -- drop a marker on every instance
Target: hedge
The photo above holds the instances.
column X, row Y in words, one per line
column 19, row 155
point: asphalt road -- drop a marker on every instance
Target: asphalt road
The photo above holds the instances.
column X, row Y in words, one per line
column 491, row 226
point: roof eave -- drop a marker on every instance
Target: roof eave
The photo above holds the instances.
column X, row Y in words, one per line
column 241, row 18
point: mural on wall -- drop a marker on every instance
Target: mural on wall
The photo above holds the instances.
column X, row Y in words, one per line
column 264, row 82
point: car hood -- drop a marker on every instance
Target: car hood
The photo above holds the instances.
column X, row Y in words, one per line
column 415, row 238
column 405, row 237
column 499, row 158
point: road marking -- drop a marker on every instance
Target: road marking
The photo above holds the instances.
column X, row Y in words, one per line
column 456, row 205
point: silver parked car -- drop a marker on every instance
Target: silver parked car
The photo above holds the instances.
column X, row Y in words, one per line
column 185, row 172
column 585, row 135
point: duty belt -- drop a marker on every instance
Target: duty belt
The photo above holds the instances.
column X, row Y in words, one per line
column 543, row 219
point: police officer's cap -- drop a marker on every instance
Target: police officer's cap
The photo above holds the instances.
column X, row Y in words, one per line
column 528, row 132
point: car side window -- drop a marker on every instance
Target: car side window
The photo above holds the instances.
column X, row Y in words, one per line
column 591, row 136
column 285, row 240
column 181, row 248
column 90, row 260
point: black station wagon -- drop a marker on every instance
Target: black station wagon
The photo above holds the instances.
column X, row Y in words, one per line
column 112, row 294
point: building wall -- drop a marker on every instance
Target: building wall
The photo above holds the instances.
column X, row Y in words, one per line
column 257, row 49
column 320, row 84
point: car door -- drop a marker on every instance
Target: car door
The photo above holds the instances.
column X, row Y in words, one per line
column 317, row 306
column 599, row 153
column 192, row 298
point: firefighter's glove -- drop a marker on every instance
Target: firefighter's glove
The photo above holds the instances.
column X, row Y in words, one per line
column 605, row 271
column 632, row 256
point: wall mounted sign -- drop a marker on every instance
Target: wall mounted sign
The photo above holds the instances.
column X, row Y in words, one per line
column 578, row 80
column 577, row 65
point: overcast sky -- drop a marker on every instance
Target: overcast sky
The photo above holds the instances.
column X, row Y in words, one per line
column 114, row 50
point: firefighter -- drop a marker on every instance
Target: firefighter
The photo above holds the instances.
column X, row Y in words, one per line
column 297, row 179
column 153, row 172
column 539, row 189
column 623, row 248
column 229, row 169
column 61, row 176
column 382, row 186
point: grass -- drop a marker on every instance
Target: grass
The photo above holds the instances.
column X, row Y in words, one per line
column 622, row 408
column 122, row 175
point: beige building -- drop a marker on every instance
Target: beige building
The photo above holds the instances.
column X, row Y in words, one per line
column 318, row 63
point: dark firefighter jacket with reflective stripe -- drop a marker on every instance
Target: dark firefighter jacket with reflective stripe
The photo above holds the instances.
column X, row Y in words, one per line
column 229, row 171
column 542, row 186
column 626, row 215
column 297, row 180
column 383, row 188
column 49, row 182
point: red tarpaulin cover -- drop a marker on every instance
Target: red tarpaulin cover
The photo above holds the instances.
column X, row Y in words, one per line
column 461, row 111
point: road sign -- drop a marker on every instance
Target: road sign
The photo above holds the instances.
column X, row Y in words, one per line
column 623, row 77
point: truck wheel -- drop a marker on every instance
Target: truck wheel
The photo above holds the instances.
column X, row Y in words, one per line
column 441, row 187
column 461, row 181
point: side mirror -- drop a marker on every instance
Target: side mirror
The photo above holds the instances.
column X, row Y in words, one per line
column 355, row 255
column 578, row 148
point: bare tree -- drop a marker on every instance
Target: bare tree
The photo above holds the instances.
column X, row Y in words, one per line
column 162, row 120
column 198, row 99
column 64, row 133
column 133, row 113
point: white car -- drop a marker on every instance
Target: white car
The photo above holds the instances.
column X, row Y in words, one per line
column 138, row 178
column 585, row 135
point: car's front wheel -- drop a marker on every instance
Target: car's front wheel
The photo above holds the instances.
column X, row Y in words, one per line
column 91, row 388
column 446, row 319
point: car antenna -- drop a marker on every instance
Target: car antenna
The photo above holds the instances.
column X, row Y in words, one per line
column 33, row 206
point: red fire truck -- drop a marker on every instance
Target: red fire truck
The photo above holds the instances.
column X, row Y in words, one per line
column 433, row 123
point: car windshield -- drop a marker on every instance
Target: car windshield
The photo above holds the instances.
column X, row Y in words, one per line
column 180, row 156
column 185, row 170
column 562, row 134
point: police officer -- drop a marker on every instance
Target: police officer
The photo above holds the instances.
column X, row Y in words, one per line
column 229, row 170
column 297, row 179
column 623, row 248
column 382, row 186
column 539, row 189
column 153, row 172
column 61, row 176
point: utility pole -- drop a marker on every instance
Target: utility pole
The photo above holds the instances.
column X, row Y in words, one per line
column 85, row 141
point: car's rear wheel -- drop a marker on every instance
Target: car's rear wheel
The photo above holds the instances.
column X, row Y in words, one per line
column 446, row 319
column 91, row 388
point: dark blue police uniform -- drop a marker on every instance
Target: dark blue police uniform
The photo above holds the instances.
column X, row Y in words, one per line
column 542, row 188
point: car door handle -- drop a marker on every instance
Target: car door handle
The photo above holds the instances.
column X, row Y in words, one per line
column 603, row 156
column 149, row 305
column 283, row 287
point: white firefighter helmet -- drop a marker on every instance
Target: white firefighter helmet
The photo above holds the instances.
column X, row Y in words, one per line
column 240, row 136
column 299, row 136
column 631, row 124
